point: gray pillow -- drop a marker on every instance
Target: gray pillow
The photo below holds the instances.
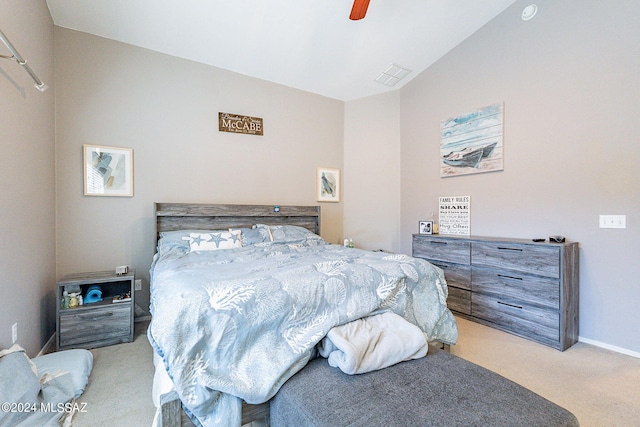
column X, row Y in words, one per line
column 77, row 362
column 251, row 236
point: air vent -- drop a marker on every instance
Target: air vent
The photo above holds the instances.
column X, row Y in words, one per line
column 392, row 75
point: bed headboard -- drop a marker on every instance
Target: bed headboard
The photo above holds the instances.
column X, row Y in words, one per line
column 197, row 216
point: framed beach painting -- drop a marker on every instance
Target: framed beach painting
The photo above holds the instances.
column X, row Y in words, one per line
column 472, row 143
column 108, row 171
column 328, row 185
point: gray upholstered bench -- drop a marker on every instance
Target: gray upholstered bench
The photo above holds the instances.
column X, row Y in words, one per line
column 439, row 389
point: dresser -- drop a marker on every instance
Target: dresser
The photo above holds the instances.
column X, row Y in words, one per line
column 526, row 288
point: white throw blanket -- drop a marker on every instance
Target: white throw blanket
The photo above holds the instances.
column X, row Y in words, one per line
column 373, row 343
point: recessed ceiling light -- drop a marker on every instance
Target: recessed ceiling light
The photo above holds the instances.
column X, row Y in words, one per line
column 392, row 75
column 529, row 12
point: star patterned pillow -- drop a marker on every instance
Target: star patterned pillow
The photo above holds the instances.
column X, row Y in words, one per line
column 215, row 240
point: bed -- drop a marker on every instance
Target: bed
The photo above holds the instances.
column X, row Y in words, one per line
column 241, row 296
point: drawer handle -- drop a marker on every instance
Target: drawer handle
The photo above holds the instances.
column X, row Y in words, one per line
column 510, row 277
column 510, row 249
column 435, row 242
column 91, row 316
column 510, row 305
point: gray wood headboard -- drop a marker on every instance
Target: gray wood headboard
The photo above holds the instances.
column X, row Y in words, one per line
column 198, row 216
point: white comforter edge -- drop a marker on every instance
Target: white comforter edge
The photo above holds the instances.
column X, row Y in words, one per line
column 373, row 343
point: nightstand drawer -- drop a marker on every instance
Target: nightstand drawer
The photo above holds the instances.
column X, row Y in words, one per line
column 515, row 285
column 533, row 259
column 438, row 249
column 87, row 324
column 517, row 317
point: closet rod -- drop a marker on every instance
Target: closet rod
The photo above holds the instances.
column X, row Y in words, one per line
column 16, row 57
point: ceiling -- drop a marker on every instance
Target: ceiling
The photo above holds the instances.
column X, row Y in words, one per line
column 306, row 44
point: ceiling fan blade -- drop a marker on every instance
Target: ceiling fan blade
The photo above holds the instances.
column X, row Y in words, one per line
column 359, row 9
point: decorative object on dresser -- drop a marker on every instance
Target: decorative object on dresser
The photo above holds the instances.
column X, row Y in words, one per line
column 425, row 227
column 515, row 285
column 98, row 322
column 454, row 215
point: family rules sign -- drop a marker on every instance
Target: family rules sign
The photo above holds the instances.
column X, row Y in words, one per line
column 454, row 215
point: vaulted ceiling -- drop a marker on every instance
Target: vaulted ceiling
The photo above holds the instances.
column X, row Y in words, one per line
column 306, row 44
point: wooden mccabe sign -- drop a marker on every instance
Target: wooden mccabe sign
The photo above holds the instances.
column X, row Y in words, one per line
column 235, row 123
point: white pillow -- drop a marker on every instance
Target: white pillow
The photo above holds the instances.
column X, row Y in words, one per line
column 215, row 240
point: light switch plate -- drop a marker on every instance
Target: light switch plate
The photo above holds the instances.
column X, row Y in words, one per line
column 613, row 221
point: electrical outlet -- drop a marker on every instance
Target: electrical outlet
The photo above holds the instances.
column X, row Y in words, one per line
column 138, row 285
column 14, row 333
column 613, row 221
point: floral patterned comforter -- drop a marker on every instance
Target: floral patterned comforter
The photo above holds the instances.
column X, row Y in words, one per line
column 237, row 323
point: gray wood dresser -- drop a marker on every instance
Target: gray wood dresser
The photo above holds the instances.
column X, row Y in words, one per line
column 100, row 323
column 525, row 288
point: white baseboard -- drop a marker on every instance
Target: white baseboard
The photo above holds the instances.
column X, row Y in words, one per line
column 609, row 347
column 49, row 346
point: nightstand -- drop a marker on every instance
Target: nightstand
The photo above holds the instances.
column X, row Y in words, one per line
column 100, row 323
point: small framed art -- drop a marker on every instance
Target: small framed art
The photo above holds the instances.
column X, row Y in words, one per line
column 328, row 185
column 425, row 227
column 108, row 171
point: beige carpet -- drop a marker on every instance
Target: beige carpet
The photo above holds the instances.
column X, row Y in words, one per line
column 602, row 388
column 119, row 389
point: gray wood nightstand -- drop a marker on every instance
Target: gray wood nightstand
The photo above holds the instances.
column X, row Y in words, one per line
column 100, row 323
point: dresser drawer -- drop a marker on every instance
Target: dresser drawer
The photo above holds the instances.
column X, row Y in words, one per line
column 520, row 319
column 459, row 300
column 514, row 285
column 433, row 248
column 456, row 274
column 533, row 259
column 89, row 324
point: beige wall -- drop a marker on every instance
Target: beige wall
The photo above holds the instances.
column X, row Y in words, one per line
column 166, row 109
column 27, row 215
column 372, row 172
column 570, row 82
column 568, row 79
